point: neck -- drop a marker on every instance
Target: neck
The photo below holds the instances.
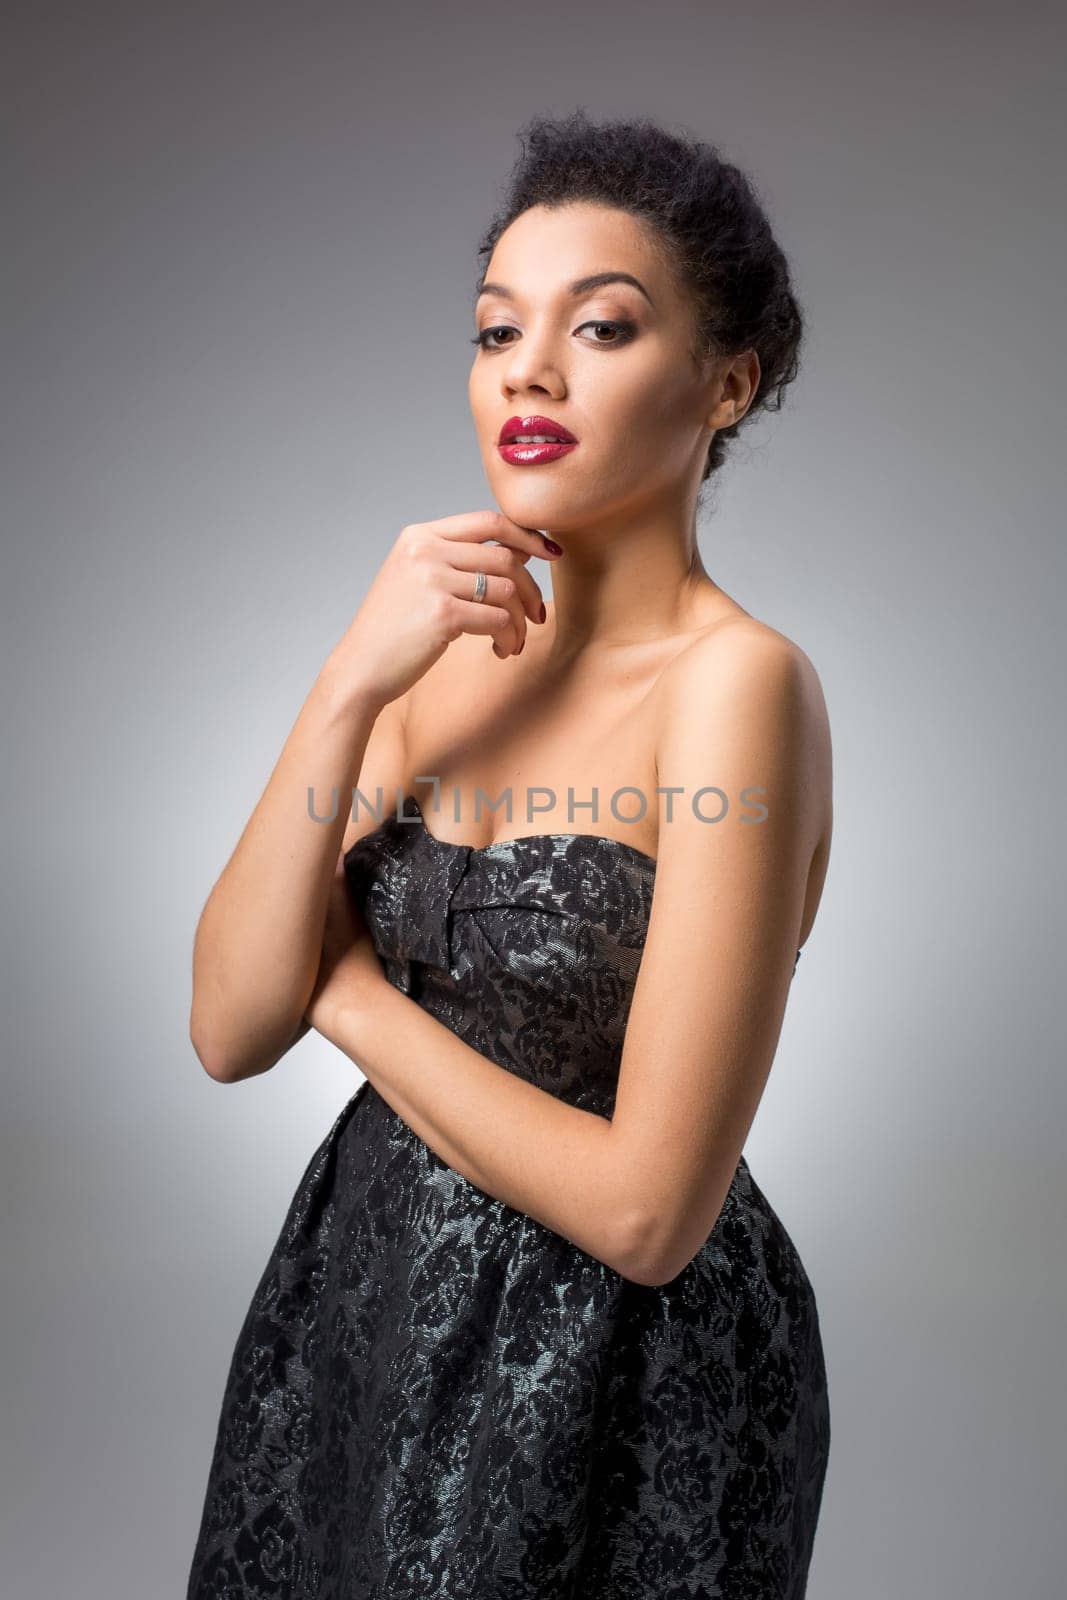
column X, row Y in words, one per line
column 626, row 584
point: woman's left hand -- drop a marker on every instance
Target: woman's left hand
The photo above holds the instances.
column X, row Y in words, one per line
column 348, row 958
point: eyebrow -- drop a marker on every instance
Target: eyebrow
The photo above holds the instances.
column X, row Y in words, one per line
column 580, row 286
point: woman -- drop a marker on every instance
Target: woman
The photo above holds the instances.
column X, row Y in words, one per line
column 531, row 1328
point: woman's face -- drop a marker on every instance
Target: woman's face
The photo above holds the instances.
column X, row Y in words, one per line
column 612, row 365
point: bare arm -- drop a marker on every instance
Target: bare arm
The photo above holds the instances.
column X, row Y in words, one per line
column 259, row 940
column 257, row 946
column 512, row 1139
column 741, row 707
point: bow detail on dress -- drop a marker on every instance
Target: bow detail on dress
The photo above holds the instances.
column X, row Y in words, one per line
column 415, row 900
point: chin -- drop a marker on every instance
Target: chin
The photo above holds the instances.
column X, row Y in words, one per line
column 547, row 506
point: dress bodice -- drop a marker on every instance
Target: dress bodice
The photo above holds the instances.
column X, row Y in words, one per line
column 528, row 948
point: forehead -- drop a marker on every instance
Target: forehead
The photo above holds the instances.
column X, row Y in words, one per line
column 548, row 246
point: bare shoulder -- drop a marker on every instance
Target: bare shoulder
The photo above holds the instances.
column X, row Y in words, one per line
column 737, row 644
column 742, row 660
column 743, row 691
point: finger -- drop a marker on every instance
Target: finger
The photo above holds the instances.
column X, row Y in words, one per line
column 504, row 563
column 491, row 525
column 508, row 627
column 498, row 621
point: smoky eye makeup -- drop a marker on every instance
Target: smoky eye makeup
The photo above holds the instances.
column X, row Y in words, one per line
column 620, row 329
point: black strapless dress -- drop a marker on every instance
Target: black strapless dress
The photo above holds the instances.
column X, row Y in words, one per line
column 433, row 1395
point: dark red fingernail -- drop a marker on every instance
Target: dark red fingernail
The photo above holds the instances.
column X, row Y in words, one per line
column 550, row 544
column 544, row 613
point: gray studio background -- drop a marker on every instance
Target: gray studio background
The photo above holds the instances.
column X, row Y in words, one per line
column 239, row 254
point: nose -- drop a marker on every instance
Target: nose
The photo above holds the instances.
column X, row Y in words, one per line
column 530, row 365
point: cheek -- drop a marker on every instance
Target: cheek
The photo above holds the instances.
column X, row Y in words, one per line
column 487, row 406
column 666, row 401
column 649, row 435
column 645, row 396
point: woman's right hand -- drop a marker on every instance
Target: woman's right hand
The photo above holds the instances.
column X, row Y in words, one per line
column 420, row 600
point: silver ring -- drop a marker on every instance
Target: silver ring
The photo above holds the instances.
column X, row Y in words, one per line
column 480, row 587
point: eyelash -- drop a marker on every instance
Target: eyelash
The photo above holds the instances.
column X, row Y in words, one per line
column 626, row 328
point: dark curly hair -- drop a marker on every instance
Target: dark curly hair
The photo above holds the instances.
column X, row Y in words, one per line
column 707, row 220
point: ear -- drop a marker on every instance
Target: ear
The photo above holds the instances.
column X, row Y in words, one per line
column 724, row 412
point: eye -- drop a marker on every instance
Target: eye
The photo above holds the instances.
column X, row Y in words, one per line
column 486, row 334
column 622, row 330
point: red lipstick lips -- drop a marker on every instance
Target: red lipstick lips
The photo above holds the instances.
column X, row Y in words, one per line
column 528, row 441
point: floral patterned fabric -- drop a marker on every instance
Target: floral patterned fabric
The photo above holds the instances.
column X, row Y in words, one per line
column 434, row 1395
